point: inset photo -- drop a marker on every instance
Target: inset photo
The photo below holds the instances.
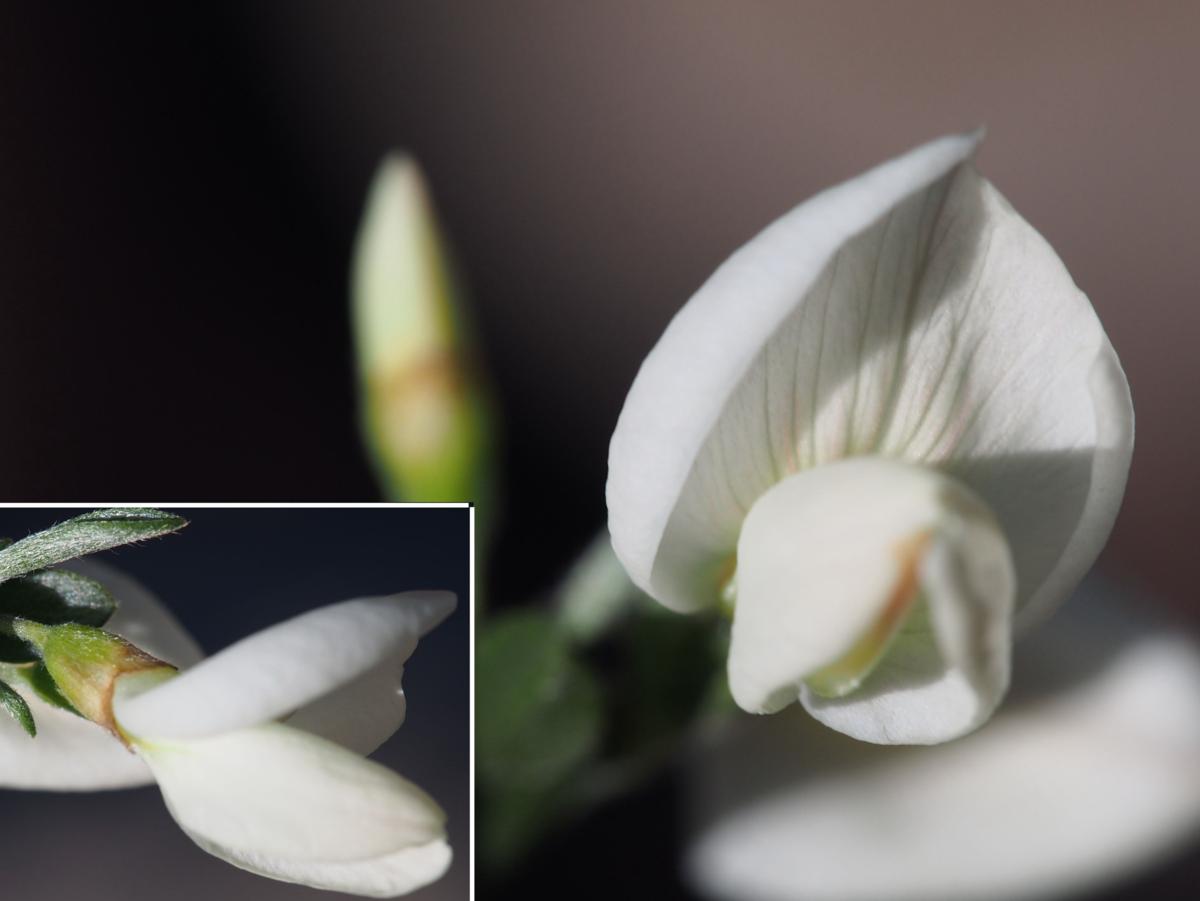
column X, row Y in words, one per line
column 245, row 702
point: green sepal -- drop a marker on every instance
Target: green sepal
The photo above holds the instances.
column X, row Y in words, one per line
column 99, row 530
column 17, row 708
column 665, row 665
column 538, row 713
column 84, row 663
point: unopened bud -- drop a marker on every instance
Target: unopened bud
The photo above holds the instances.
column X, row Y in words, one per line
column 424, row 413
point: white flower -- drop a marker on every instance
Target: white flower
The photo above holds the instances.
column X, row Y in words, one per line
column 887, row 429
column 1088, row 775
column 258, row 749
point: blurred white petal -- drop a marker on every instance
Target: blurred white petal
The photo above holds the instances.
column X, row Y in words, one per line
column 276, row 671
column 1089, row 775
column 831, row 564
column 292, row 806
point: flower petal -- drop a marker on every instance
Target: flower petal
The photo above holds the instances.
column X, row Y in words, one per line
column 361, row 715
column 287, row 666
column 382, row 877
column 1090, row 775
column 289, row 805
column 718, row 338
column 141, row 618
column 68, row 754
column 833, row 561
column 909, row 313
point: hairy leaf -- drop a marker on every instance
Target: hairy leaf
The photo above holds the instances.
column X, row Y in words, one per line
column 86, row 534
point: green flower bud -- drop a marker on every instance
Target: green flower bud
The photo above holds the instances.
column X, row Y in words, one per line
column 85, row 664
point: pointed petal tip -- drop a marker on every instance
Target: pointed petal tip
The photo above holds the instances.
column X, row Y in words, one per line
column 432, row 608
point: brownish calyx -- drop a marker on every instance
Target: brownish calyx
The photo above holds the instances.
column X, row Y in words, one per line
column 85, row 663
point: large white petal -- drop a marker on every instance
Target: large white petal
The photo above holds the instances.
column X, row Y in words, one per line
column 832, row 561
column 289, row 805
column 274, row 672
column 68, row 754
column 141, row 618
column 911, row 313
column 719, row 336
column 1087, row 774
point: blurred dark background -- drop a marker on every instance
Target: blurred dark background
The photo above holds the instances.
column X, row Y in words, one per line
column 179, row 190
column 230, row 573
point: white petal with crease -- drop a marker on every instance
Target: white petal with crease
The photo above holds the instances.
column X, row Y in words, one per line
column 290, row 805
column 282, row 668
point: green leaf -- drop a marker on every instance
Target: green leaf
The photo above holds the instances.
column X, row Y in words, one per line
column 512, row 822
column 86, row 534
column 17, row 708
column 51, row 596
column 538, row 715
column 666, row 666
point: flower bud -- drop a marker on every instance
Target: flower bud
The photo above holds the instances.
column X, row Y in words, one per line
column 424, row 415
column 85, row 664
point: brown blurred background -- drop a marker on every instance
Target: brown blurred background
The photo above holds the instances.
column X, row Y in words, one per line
column 179, row 190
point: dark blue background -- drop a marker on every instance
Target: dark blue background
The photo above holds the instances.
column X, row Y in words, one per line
column 232, row 572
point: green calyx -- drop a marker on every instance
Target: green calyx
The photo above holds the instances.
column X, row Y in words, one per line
column 84, row 663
